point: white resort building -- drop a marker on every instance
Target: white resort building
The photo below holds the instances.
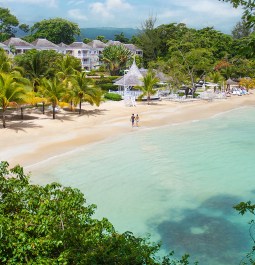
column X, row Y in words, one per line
column 89, row 54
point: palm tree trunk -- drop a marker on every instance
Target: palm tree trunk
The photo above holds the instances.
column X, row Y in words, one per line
column 21, row 113
column 43, row 107
column 4, row 125
column 80, row 107
column 53, row 111
column 148, row 99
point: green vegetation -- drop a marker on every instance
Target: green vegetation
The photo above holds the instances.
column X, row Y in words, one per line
column 112, row 96
column 150, row 80
column 8, row 22
column 54, row 225
column 13, row 90
column 56, row 30
column 85, row 90
column 244, row 208
column 115, row 57
column 249, row 8
column 45, row 77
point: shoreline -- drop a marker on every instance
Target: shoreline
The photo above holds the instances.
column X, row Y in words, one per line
column 39, row 137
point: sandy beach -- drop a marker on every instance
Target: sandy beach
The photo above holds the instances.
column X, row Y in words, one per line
column 39, row 137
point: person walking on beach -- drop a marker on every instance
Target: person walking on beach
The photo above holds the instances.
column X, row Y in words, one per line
column 132, row 119
column 137, row 120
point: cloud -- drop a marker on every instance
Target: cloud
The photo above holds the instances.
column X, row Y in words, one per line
column 107, row 8
column 76, row 2
column 51, row 3
column 212, row 8
column 77, row 14
column 201, row 13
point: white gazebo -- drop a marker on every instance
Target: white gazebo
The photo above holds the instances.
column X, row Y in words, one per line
column 131, row 78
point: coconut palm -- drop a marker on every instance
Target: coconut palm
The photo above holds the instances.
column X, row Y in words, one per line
column 216, row 77
column 5, row 62
column 84, row 90
column 115, row 58
column 53, row 90
column 148, row 89
column 67, row 66
column 37, row 64
column 13, row 89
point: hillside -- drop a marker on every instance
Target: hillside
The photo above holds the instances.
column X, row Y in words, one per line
column 92, row 33
column 107, row 32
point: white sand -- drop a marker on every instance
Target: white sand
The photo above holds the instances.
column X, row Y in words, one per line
column 39, row 137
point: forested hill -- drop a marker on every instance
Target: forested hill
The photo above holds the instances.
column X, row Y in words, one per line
column 91, row 33
column 107, row 32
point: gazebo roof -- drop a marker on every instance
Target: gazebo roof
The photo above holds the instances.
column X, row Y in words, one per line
column 132, row 78
column 231, row 82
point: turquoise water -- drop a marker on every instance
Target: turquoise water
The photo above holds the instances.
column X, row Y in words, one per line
column 178, row 183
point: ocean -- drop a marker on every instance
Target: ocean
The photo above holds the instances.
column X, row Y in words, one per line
column 176, row 183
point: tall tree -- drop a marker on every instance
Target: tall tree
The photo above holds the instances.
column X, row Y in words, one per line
column 85, row 90
column 121, row 37
column 249, row 10
column 148, row 39
column 241, row 30
column 101, row 38
column 8, row 22
column 115, row 57
column 5, row 62
column 170, row 35
column 148, row 89
column 66, row 66
column 13, row 89
column 56, row 30
column 38, row 64
column 53, row 90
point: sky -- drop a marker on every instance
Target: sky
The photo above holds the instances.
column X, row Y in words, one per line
column 128, row 13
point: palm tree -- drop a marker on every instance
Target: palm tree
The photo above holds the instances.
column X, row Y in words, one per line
column 37, row 64
column 150, row 80
column 84, row 90
column 116, row 57
column 5, row 62
column 53, row 90
column 13, row 89
column 67, row 66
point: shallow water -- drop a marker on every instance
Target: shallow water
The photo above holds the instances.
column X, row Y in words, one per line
column 178, row 183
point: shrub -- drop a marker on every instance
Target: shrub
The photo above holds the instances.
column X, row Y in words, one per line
column 108, row 79
column 109, row 86
column 112, row 96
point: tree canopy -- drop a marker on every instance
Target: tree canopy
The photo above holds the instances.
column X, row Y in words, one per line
column 53, row 224
column 116, row 57
column 56, row 30
column 245, row 208
column 249, row 9
column 8, row 22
